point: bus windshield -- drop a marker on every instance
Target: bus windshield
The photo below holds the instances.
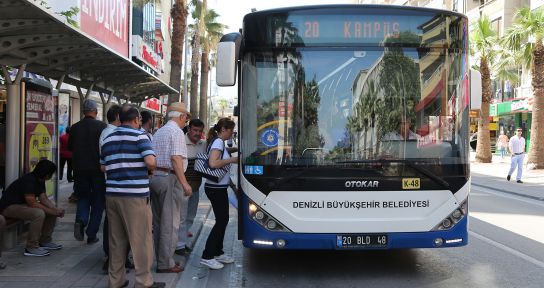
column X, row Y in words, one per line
column 349, row 106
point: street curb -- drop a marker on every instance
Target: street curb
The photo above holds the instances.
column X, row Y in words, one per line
column 196, row 235
column 510, row 192
column 199, row 228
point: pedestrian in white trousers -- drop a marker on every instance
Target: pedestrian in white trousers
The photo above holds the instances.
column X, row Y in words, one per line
column 517, row 149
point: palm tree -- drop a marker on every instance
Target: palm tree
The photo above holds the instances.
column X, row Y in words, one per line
column 179, row 19
column 526, row 35
column 484, row 38
column 223, row 104
column 197, row 29
column 212, row 34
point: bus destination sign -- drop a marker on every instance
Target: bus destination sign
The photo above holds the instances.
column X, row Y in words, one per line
column 349, row 29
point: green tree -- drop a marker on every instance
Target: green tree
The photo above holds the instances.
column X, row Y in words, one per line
column 198, row 31
column 179, row 21
column 212, row 34
column 223, row 104
column 484, row 39
column 525, row 36
column 400, row 82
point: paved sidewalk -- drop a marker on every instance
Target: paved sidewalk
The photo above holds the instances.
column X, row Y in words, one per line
column 493, row 175
column 77, row 264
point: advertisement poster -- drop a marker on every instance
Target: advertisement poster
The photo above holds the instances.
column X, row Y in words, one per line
column 41, row 137
column 64, row 112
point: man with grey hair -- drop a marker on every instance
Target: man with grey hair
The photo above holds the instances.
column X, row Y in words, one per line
column 169, row 187
column 89, row 181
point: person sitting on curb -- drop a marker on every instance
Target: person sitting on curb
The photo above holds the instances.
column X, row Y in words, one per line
column 19, row 202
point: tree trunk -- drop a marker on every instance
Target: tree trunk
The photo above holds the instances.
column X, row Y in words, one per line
column 536, row 148
column 483, row 146
column 204, row 88
column 195, row 57
column 179, row 18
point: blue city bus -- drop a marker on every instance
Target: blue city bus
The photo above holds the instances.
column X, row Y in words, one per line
column 353, row 126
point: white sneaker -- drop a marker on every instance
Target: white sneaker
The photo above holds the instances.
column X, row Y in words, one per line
column 225, row 259
column 211, row 263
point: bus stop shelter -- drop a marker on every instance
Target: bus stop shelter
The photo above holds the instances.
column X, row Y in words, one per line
column 35, row 40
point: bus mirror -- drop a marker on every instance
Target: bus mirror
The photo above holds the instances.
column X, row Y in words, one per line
column 227, row 59
column 475, row 90
column 226, row 64
column 236, row 111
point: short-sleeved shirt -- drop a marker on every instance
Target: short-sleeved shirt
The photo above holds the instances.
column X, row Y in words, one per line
column 168, row 141
column 219, row 144
column 106, row 132
column 123, row 155
column 15, row 194
column 192, row 150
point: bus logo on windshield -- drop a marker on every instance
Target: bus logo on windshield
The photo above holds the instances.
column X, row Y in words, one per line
column 362, row 184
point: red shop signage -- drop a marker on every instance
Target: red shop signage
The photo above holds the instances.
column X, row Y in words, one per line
column 107, row 21
column 154, row 104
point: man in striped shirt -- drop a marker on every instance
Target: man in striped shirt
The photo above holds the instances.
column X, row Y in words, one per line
column 127, row 157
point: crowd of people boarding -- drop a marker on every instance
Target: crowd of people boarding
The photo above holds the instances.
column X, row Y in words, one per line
column 143, row 181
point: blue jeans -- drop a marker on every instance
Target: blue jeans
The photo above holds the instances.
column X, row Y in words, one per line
column 90, row 190
column 503, row 151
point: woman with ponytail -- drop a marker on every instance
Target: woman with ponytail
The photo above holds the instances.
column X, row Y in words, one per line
column 213, row 256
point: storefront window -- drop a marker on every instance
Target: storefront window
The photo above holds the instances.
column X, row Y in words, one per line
column 507, row 125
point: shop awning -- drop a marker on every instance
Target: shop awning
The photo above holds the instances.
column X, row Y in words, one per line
column 32, row 35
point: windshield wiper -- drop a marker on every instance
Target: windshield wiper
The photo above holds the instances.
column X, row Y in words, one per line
column 410, row 163
column 294, row 172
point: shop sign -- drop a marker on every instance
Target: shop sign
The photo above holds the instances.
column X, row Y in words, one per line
column 493, row 110
column 107, row 21
column 153, row 104
column 145, row 53
column 492, row 126
column 520, row 105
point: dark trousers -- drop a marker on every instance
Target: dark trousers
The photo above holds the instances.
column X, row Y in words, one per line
column 220, row 205
column 69, row 176
column 106, row 236
column 90, row 190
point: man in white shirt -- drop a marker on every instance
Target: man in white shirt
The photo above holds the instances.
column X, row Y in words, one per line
column 517, row 149
column 195, row 145
column 170, row 190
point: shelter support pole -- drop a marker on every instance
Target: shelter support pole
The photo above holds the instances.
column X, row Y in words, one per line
column 13, row 124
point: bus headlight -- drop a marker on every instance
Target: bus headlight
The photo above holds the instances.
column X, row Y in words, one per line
column 259, row 215
column 268, row 222
column 271, row 224
column 452, row 219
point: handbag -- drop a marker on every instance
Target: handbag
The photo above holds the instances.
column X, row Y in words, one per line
column 202, row 165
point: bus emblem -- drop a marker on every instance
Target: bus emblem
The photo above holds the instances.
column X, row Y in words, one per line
column 362, row 184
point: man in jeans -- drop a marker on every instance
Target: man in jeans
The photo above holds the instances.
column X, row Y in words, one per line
column 195, row 145
column 89, row 184
column 19, row 202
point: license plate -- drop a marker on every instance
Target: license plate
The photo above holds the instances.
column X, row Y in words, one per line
column 362, row 241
